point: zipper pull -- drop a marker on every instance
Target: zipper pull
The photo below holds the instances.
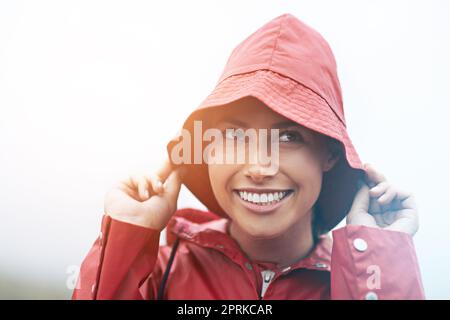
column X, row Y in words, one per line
column 267, row 277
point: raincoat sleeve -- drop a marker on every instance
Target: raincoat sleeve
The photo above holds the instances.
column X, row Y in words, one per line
column 119, row 262
column 371, row 263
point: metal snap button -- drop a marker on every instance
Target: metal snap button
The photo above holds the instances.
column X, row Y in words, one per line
column 360, row 244
column 371, row 296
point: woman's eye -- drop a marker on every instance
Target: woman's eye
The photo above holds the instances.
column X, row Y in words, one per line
column 229, row 134
column 233, row 134
column 290, row 136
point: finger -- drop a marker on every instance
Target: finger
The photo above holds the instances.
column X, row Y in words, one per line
column 162, row 173
column 374, row 207
column 164, row 170
column 130, row 186
column 143, row 188
column 379, row 189
column 121, row 188
column 155, row 183
column 172, row 185
column 131, row 181
column 125, row 186
column 403, row 200
column 406, row 199
column 361, row 200
column 388, row 196
column 372, row 175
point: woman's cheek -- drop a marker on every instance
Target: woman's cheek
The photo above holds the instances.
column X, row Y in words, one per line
column 219, row 175
column 304, row 169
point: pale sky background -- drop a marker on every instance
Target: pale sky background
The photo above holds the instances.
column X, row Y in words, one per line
column 91, row 91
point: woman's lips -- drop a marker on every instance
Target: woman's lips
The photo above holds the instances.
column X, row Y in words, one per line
column 263, row 208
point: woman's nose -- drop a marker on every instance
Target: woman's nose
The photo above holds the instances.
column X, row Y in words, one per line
column 262, row 164
column 259, row 173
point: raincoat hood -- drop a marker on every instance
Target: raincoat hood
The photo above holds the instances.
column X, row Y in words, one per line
column 290, row 67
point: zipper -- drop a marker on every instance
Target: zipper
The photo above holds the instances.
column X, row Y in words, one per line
column 267, row 277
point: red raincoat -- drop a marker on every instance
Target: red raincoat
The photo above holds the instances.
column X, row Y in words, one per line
column 126, row 262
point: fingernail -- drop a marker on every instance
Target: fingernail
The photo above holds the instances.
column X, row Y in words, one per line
column 146, row 193
column 159, row 185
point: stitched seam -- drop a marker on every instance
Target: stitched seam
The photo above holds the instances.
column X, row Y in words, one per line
column 276, row 43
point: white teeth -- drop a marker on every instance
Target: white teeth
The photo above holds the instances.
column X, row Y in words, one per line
column 262, row 198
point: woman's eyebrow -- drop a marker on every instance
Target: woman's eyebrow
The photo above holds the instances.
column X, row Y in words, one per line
column 231, row 121
column 280, row 125
column 284, row 124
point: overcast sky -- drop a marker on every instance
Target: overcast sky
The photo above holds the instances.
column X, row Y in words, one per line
column 91, row 91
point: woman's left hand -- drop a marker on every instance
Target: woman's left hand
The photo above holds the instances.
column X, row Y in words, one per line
column 379, row 204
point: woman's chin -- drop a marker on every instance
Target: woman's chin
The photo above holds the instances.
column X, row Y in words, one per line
column 261, row 231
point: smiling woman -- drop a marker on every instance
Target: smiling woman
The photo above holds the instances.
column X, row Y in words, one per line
column 264, row 221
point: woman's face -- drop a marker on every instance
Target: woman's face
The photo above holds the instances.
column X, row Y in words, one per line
column 287, row 194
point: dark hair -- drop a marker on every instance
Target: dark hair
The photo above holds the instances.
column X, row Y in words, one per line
column 336, row 148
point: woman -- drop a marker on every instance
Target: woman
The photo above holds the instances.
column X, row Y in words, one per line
column 264, row 234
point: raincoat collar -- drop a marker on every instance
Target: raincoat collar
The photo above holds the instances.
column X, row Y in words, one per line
column 214, row 234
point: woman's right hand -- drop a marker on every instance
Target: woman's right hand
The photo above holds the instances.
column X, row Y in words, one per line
column 147, row 200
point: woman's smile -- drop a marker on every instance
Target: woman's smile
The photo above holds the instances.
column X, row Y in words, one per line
column 262, row 200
